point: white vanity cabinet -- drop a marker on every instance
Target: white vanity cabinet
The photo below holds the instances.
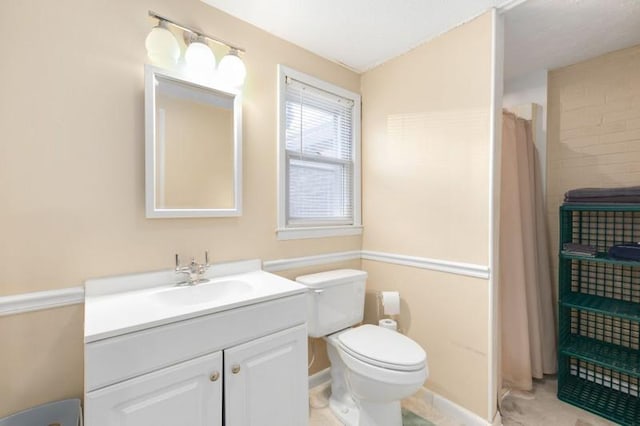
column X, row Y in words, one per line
column 263, row 383
column 188, row 393
column 245, row 366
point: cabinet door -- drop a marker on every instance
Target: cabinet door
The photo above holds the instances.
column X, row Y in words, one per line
column 266, row 381
column 188, row 393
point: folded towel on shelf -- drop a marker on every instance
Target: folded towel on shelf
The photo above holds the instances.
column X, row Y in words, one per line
column 623, row 195
column 605, row 200
column 579, row 249
column 626, row 251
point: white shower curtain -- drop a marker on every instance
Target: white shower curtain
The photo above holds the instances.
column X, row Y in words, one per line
column 526, row 301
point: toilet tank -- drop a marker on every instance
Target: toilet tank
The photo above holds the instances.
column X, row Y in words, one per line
column 335, row 300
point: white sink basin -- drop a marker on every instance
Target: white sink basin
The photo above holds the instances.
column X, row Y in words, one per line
column 202, row 293
column 124, row 304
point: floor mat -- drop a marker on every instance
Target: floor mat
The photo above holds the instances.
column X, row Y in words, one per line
column 411, row 419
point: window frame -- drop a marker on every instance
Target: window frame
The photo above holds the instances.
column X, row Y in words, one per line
column 286, row 231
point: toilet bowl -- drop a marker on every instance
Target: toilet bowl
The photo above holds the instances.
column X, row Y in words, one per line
column 378, row 367
column 372, row 368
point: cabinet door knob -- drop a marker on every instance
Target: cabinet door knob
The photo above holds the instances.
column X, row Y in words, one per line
column 235, row 369
column 214, row 376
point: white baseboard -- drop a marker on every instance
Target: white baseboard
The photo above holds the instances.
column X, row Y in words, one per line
column 320, row 378
column 452, row 411
column 457, row 413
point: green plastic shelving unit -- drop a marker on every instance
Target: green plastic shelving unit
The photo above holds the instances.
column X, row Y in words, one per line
column 599, row 313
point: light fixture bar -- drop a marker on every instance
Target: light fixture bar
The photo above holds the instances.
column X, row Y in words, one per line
column 196, row 32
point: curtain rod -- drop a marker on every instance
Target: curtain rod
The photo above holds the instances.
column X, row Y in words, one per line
column 196, row 32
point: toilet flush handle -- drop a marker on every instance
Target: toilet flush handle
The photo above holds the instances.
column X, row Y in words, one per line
column 318, row 291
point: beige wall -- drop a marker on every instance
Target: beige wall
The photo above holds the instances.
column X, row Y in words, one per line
column 72, row 169
column 594, row 129
column 426, row 122
column 43, row 359
column 72, row 173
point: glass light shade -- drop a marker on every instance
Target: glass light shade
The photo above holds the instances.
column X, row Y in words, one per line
column 199, row 57
column 162, row 46
column 232, row 69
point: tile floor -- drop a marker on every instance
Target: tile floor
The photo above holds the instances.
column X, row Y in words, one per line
column 321, row 415
column 537, row 408
column 541, row 408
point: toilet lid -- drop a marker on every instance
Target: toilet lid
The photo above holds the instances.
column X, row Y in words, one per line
column 383, row 348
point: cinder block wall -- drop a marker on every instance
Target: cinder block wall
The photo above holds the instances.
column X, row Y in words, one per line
column 593, row 129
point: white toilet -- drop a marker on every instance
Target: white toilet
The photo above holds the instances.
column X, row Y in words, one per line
column 372, row 368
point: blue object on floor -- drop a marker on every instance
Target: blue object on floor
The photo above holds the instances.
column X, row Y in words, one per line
column 60, row 413
column 409, row 418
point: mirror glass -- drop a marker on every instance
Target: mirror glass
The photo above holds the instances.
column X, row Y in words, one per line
column 193, row 148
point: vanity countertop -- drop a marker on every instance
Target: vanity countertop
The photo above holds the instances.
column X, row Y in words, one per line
column 120, row 305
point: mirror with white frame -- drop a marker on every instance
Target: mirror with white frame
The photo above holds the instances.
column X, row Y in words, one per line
column 193, row 147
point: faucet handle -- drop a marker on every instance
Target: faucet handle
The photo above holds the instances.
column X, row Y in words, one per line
column 192, row 267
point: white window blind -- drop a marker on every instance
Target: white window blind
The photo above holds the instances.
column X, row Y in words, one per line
column 319, row 145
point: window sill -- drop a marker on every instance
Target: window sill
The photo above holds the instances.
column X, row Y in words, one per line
column 318, row 232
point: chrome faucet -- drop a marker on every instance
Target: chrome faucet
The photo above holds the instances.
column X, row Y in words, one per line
column 194, row 270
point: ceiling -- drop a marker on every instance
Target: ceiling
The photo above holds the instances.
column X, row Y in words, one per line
column 357, row 33
column 360, row 34
column 548, row 34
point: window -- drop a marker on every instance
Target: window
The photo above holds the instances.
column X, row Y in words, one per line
column 319, row 158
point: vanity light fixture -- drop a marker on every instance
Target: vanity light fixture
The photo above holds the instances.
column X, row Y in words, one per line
column 199, row 56
column 232, row 69
column 163, row 49
column 162, row 46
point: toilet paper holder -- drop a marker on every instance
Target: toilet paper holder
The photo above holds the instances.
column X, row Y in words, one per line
column 381, row 315
column 379, row 307
column 391, row 296
column 389, row 302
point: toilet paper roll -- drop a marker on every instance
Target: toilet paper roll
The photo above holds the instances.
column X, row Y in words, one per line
column 389, row 324
column 390, row 302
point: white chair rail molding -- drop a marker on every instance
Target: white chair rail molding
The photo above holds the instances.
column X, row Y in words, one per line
column 26, row 302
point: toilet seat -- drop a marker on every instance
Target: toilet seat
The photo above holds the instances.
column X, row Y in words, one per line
column 382, row 348
column 381, row 374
